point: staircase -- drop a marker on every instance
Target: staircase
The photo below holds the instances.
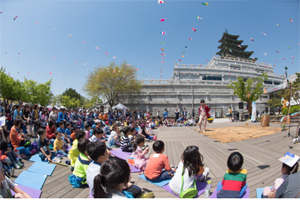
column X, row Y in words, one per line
column 274, row 118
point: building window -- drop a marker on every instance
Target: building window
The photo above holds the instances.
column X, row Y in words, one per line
column 268, row 82
column 212, row 78
column 276, row 83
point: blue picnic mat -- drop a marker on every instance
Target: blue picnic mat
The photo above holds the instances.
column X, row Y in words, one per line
column 259, row 192
column 31, row 180
column 42, row 168
column 159, row 184
column 36, row 158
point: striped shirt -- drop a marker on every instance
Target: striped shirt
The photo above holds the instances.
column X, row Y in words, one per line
column 125, row 142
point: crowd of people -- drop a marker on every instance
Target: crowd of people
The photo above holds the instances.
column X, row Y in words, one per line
column 87, row 138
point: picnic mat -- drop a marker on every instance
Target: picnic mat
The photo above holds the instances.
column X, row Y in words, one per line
column 159, row 184
column 259, row 192
column 120, row 154
column 31, row 180
column 42, row 168
column 200, row 187
column 36, row 158
column 32, row 192
column 134, row 169
column 246, row 195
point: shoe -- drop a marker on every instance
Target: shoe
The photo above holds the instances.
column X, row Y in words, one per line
column 12, row 171
column 155, row 138
column 203, row 131
column 68, row 162
column 72, row 168
column 206, row 172
column 147, row 195
column 19, row 163
column 16, row 166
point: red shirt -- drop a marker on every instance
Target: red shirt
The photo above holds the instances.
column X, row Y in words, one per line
column 15, row 137
column 206, row 108
column 156, row 163
column 50, row 133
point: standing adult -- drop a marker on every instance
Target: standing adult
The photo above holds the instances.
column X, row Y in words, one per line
column 204, row 113
column 184, row 113
column 176, row 114
column 165, row 114
column 230, row 114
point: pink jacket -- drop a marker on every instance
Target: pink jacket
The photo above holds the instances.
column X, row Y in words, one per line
column 140, row 161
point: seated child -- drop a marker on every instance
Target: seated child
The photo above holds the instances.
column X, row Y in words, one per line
column 68, row 131
column 286, row 171
column 140, row 161
column 74, row 153
column 107, row 128
column 234, row 183
column 87, row 131
column 58, row 146
column 73, row 131
column 78, row 178
column 192, row 167
column 43, row 148
column 63, row 132
column 157, row 162
column 6, row 185
column 146, row 133
column 114, row 135
column 97, row 135
column 115, row 176
column 126, row 144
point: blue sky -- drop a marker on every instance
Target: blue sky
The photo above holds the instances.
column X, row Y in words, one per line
column 130, row 30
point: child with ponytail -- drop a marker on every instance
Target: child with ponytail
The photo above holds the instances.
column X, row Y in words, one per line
column 140, row 161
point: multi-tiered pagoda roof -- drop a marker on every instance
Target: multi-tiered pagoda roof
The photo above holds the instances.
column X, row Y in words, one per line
column 232, row 47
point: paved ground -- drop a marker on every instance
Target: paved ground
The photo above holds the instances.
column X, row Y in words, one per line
column 260, row 154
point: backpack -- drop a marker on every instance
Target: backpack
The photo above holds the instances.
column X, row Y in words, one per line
column 190, row 192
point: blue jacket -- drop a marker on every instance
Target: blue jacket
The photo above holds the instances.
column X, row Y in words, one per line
column 60, row 117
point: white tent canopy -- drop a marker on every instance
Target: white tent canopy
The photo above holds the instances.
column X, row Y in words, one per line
column 120, row 107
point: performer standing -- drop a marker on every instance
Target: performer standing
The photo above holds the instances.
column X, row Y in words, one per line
column 204, row 113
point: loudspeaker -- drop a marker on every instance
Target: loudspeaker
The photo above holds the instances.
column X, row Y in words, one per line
column 241, row 105
column 266, row 109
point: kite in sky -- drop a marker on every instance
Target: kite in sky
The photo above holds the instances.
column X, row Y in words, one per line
column 15, row 17
column 159, row 2
column 293, row 57
column 277, row 51
column 275, row 60
column 162, row 49
column 265, row 54
column 163, row 32
column 162, row 62
column 183, row 52
column 163, row 54
column 180, row 60
column 36, row 22
column 0, row 12
column 163, row 58
column 289, row 48
column 54, row 29
column 83, row 42
column 190, row 38
column 114, row 57
column 96, row 47
column 283, row 58
column 182, row 56
column 162, row 20
column 264, row 33
column 277, row 24
column 194, row 29
column 204, row 3
column 186, row 47
column 198, row 17
column 69, row 35
column 240, row 46
column 162, row 43
column 291, row 19
column 106, row 53
column 252, row 39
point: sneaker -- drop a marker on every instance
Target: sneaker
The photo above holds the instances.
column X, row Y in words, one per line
column 155, row 138
column 72, row 168
column 16, row 166
column 147, row 195
column 12, row 171
column 203, row 131
column 206, row 172
column 19, row 163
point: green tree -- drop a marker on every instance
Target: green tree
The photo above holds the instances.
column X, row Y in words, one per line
column 72, row 94
column 249, row 90
column 112, row 82
column 87, row 103
column 69, row 103
column 55, row 100
column 274, row 103
column 7, row 85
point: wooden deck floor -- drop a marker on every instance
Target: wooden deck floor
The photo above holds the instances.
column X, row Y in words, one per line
column 260, row 159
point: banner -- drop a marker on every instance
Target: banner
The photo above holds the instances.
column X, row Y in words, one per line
column 253, row 115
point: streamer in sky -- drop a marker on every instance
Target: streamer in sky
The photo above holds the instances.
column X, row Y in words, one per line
column 163, row 58
column 162, row 62
column 278, row 25
column 114, row 57
column 252, row 39
column 106, row 53
column 289, row 48
column 293, row 57
column 190, row 38
column 204, row 3
column 162, row 49
column 162, row 43
column 198, row 17
column 163, row 54
column 180, row 60
column 239, row 46
column 264, row 33
column 160, row 2
column 283, row 58
column 54, row 29
column 36, row 22
column 163, row 32
column 15, row 17
column 96, row 47
column 186, row 47
column 277, row 51
column 69, row 35
column 182, row 56
column 183, row 52
column 194, row 29
column 83, row 42
column 291, row 19
column 162, row 20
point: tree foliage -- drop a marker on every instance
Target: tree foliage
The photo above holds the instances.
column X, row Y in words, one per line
column 249, row 90
column 72, row 94
column 69, row 103
column 112, row 82
column 274, row 103
column 87, row 103
column 29, row 91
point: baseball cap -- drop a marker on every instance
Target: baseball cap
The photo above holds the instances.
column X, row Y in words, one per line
column 106, row 122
